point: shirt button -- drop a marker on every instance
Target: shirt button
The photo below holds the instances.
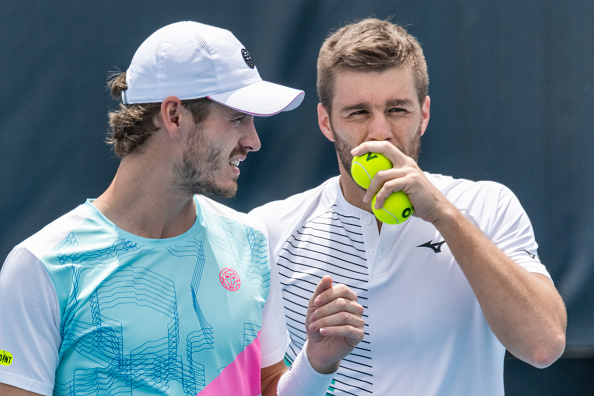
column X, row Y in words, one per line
column 367, row 220
column 372, row 252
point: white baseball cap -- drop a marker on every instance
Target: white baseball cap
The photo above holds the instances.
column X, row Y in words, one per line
column 191, row 60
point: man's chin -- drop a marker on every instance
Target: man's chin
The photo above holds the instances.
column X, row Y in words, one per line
column 220, row 191
column 229, row 194
column 231, row 191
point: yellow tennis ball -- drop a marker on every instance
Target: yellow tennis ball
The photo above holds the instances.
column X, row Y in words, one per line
column 364, row 167
column 397, row 208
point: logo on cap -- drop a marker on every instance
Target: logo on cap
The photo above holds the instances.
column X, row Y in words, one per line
column 230, row 279
column 247, row 58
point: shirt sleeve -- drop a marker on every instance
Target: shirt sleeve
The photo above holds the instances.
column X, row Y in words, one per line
column 274, row 338
column 29, row 324
column 512, row 232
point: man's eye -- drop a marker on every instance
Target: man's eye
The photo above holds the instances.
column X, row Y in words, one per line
column 358, row 112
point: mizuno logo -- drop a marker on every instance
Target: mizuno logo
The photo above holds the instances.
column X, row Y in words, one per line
column 435, row 246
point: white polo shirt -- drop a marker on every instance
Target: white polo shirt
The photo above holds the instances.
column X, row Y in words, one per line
column 425, row 333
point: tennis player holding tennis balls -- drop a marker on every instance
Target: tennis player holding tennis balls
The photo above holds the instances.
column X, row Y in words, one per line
column 447, row 291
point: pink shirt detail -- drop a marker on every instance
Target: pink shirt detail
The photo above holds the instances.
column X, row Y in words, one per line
column 241, row 377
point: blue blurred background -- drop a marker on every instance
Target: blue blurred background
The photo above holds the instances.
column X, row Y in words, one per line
column 512, row 101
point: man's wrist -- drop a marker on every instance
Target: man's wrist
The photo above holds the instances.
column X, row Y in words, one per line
column 317, row 366
column 449, row 215
column 303, row 379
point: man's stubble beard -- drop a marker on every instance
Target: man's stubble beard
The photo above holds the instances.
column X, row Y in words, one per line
column 197, row 166
column 343, row 149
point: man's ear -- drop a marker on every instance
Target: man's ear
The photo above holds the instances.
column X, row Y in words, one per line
column 425, row 114
column 171, row 109
column 324, row 122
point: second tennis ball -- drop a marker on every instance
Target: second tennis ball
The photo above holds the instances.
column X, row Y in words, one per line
column 397, row 207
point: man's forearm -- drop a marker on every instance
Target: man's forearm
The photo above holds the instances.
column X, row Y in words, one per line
column 523, row 309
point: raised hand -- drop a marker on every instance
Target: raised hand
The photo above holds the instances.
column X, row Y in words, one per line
column 405, row 176
column 334, row 325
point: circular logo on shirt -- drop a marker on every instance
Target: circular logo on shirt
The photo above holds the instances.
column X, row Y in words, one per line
column 230, row 279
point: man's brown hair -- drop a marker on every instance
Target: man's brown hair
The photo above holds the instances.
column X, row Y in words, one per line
column 369, row 45
column 131, row 125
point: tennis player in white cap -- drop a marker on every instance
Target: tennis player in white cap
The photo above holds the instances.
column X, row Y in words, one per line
column 154, row 288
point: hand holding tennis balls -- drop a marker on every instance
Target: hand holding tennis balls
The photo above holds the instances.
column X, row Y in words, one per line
column 397, row 207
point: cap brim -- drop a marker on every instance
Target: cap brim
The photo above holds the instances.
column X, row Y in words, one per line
column 262, row 98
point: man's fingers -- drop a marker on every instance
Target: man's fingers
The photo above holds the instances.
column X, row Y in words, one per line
column 346, row 306
column 338, row 319
column 392, row 152
column 334, row 310
column 352, row 334
column 324, row 285
column 333, row 293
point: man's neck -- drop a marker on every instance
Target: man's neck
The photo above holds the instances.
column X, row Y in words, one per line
column 144, row 204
